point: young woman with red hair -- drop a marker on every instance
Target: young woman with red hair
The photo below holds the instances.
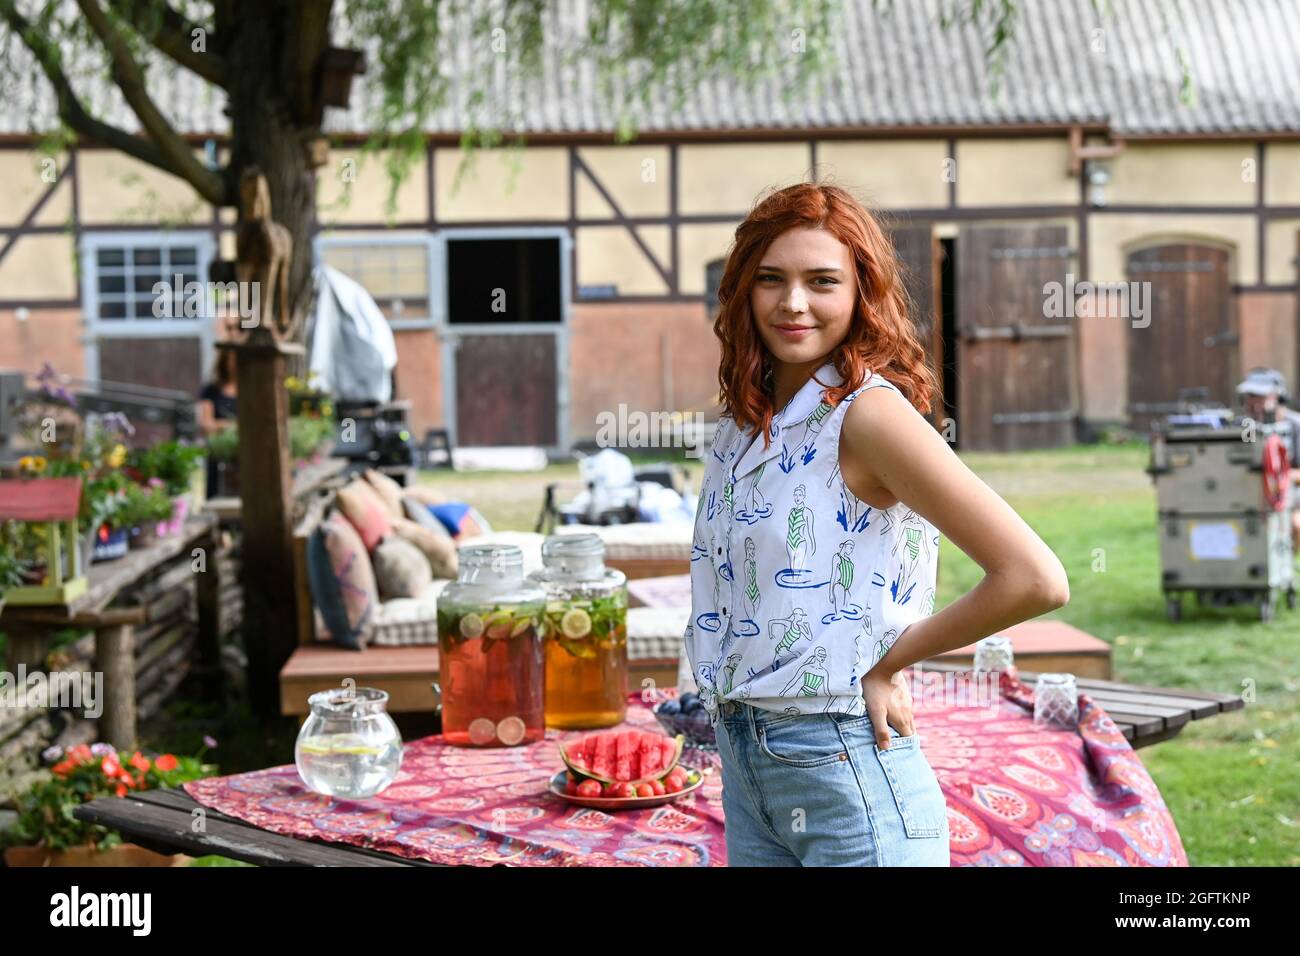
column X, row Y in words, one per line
column 816, row 539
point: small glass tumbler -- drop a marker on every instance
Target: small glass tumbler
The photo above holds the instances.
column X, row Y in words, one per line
column 1056, row 701
column 993, row 654
column 349, row 746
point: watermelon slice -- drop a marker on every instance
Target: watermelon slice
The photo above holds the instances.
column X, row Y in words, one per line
column 635, row 756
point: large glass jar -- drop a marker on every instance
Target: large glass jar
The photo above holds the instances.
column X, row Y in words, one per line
column 348, row 746
column 490, row 653
column 585, row 631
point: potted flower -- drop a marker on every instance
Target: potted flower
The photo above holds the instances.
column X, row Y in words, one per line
column 173, row 463
column 52, row 836
column 146, row 509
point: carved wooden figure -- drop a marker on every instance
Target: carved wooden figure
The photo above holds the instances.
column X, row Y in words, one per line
column 264, row 249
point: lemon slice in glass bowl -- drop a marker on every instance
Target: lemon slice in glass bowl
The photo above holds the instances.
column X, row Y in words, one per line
column 471, row 625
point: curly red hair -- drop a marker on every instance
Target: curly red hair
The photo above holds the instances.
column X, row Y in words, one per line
column 881, row 336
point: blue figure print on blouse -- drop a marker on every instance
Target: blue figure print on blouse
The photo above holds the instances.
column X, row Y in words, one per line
column 854, row 515
column 752, row 596
column 754, row 505
column 800, row 543
column 912, row 548
column 810, row 679
column 780, row 619
column 804, row 448
column 788, row 631
column 729, row 673
column 842, row 608
column 883, row 645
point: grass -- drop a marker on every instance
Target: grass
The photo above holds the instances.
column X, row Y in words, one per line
column 1232, row 782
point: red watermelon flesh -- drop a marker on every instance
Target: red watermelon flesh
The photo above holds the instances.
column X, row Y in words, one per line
column 649, row 756
column 602, row 760
column 634, row 756
column 627, row 758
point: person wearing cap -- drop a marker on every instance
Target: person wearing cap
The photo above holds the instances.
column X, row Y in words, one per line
column 1264, row 396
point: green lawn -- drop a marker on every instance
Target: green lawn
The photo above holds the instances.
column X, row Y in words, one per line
column 1232, row 782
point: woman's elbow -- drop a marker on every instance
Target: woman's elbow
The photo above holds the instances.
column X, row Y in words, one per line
column 1052, row 587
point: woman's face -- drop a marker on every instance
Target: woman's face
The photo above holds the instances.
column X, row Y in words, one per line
column 803, row 296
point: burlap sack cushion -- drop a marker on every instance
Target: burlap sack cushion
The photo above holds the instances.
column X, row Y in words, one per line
column 342, row 581
column 401, row 569
column 362, row 506
column 389, row 491
column 436, row 546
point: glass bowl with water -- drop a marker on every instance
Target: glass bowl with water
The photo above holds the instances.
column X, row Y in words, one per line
column 348, row 746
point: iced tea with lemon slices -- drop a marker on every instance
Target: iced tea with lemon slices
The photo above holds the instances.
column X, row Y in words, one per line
column 585, row 633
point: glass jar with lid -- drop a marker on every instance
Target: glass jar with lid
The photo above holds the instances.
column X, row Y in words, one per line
column 490, row 657
column 585, row 633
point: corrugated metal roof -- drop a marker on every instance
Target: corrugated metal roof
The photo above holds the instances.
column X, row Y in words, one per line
column 1069, row 63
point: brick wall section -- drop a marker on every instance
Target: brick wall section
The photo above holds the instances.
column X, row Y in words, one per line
column 616, row 356
column 48, row 335
column 419, row 378
column 1268, row 334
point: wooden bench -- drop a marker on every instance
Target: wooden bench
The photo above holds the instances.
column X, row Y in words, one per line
column 406, row 673
column 1047, row 647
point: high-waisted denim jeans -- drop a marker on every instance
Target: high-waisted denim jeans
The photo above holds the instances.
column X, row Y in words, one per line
column 815, row 790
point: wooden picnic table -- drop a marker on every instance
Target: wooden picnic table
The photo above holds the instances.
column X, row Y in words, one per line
column 163, row 820
column 30, row 627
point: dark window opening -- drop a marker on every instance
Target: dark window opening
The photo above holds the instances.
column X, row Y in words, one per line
column 504, row 280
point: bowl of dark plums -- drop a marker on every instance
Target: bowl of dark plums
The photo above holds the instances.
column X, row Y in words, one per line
column 686, row 715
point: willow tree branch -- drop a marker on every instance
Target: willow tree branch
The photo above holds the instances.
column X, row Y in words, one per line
column 70, row 109
column 173, row 34
column 130, row 80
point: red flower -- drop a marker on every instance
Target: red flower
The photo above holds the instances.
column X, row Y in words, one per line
column 166, row 762
column 80, row 753
column 121, row 790
column 61, row 769
column 139, row 761
column 110, row 766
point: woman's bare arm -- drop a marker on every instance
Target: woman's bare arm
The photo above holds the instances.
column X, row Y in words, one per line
column 892, row 452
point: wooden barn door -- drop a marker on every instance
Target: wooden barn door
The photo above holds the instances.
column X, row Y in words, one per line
column 1015, row 364
column 920, row 254
column 1191, row 339
column 506, row 387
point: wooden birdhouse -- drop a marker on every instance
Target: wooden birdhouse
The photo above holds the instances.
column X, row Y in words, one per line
column 52, row 502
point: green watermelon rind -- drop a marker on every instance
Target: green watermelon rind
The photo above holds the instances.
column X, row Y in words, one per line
column 584, row 772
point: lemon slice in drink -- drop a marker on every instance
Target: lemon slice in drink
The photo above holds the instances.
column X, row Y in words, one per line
column 338, row 744
column 482, row 730
column 497, row 625
column 471, row 625
column 521, row 625
column 575, row 623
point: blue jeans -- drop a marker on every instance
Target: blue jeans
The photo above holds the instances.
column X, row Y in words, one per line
column 815, row 790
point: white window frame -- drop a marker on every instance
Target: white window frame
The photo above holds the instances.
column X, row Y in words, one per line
column 201, row 328
column 344, row 238
column 448, row 333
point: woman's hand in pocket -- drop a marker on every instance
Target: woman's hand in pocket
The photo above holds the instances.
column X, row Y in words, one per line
column 889, row 704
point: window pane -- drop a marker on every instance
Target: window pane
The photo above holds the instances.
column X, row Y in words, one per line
column 110, row 257
column 144, row 281
column 112, row 283
column 147, row 257
column 184, row 256
column 112, row 310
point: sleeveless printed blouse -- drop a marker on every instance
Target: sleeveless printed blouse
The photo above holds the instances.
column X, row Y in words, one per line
column 797, row 586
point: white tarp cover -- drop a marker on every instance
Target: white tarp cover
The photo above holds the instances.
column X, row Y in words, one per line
column 352, row 349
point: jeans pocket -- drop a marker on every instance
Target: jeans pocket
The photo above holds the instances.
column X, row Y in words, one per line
column 915, row 787
column 809, row 740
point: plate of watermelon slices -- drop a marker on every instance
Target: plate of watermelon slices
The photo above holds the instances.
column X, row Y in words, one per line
column 624, row 770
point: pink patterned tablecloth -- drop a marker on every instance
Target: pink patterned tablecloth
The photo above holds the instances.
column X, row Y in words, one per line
column 1017, row 796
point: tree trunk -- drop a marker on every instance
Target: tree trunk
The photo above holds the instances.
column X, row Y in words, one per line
column 273, row 49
